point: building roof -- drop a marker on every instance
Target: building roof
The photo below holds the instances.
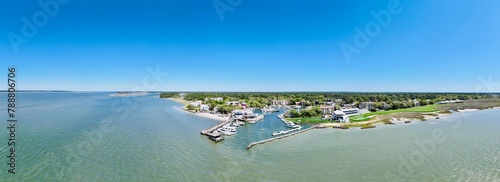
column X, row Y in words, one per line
column 338, row 113
column 327, row 107
column 353, row 109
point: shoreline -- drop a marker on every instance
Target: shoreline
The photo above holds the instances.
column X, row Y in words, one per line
column 180, row 101
column 395, row 120
column 201, row 114
column 207, row 115
column 129, row 94
column 375, row 121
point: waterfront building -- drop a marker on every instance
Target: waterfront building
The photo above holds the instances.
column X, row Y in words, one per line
column 327, row 110
column 196, row 103
column 340, row 117
column 350, row 112
column 204, row 108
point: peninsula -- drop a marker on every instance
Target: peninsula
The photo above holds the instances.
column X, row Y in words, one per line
column 339, row 110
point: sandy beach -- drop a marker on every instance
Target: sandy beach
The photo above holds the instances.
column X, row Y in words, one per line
column 205, row 115
column 210, row 116
column 182, row 101
column 468, row 110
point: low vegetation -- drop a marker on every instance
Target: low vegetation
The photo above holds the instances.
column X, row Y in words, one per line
column 415, row 112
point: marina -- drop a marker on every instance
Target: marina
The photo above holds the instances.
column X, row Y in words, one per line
column 229, row 127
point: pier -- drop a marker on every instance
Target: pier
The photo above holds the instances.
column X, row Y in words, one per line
column 283, row 119
column 280, row 137
column 220, row 125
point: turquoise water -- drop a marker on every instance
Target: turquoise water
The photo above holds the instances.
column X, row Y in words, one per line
column 97, row 137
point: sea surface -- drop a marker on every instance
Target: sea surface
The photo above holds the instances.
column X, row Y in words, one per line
column 98, row 137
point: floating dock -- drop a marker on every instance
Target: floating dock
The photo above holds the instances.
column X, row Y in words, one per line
column 280, row 137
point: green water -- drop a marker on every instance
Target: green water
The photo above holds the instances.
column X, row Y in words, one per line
column 97, row 137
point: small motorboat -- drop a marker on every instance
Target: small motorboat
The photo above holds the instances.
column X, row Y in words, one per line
column 278, row 133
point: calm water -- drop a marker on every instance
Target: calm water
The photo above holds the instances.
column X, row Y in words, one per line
column 96, row 137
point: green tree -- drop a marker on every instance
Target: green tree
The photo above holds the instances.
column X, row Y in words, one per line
column 295, row 114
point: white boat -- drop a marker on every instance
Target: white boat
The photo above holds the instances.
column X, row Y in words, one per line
column 297, row 128
column 278, row 133
column 292, row 125
column 227, row 130
column 270, row 109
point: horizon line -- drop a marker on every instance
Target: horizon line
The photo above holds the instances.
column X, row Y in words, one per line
column 255, row 91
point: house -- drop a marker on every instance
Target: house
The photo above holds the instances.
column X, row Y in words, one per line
column 303, row 103
column 279, row 102
column 204, row 108
column 330, row 103
column 416, row 103
column 327, row 110
column 365, row 105
column 340, row 117
column 238, row 114
column 196, row 103
column 218, row 99
column 233, row 103
column 451, row 101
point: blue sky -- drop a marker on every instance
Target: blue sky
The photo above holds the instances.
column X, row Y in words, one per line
column 271, row 45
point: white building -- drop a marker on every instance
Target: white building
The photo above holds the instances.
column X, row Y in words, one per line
column 204, row 108
column 218, row 99
column 343, row 115
column 233, row 103
column 238, row 114
column 280, row 102
column 196, row 103
column 340, row 117
column 350, row 112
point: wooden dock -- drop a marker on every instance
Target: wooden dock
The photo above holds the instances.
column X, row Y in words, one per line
column 220, row 125
column 280, row 137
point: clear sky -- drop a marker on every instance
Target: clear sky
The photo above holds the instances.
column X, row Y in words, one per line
column 255, row 45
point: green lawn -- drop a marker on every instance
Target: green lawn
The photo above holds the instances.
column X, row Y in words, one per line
column 307, row 120
column 367, row 116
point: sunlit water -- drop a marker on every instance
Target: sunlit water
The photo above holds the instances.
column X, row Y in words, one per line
column 97, row 137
